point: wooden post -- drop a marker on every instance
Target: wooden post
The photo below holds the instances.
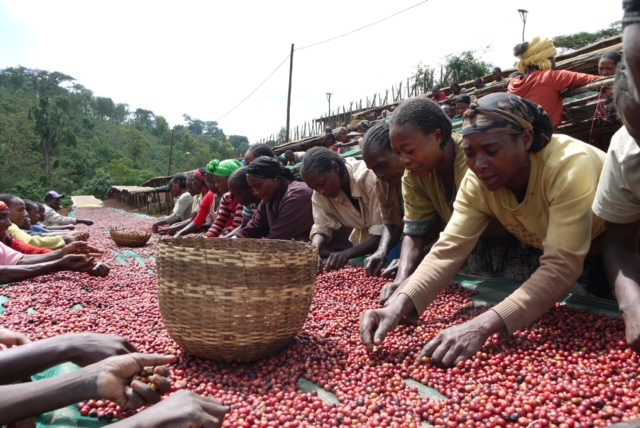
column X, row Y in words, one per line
column 289, row 95
column 173, row 131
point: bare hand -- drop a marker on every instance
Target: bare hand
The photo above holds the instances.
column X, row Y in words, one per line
column 68, row 239
column 184, row 409
column 87, row 222
column 337, row 260
column 11, row 338
column 462, row 341
column 89, row 348
column 81, row 247
column 375, row 325
column 76, row 263
column 392, row 270
column 387, row 292
column 632, row 329
column 113, row 379
column 155, row 228
column 100, row 269
column 374, row 263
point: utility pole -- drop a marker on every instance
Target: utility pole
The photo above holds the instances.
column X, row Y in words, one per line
column 329, row 100
column 289, row 96
column 523, row 15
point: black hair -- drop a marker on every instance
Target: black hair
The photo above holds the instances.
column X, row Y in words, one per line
column 8, row 199
column 478, row 80
column 377, row 138
column 239, row 178
column 425, row 115
column 330, row 137
column 435, row 87
column 181, row 179
column 498, row 69
column 320, row 160
column 29, row 204
column 454, row 85
column 612, row 56
column 268, row 167
column 261, row 149
column 286, row 153
column 464, row 99
column 520, row 49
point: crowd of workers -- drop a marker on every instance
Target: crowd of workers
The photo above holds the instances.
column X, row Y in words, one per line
column 576, row 204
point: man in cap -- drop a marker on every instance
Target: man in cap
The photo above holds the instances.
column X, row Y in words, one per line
column 52, row 218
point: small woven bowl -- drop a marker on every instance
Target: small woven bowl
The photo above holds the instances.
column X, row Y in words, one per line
column 129, row 238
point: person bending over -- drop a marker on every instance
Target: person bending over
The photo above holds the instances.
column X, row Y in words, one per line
column 344, row 195
column 540, row 186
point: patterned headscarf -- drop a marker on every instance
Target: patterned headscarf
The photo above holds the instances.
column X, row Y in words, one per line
column 539, row 53
column 508, row 114
column 224, row 168
column 267, row 167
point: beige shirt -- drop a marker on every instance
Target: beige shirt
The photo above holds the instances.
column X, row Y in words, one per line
column 329, row 214
column 555, row 216
column 618, row 196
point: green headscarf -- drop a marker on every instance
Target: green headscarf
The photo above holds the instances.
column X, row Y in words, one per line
column 224, row 168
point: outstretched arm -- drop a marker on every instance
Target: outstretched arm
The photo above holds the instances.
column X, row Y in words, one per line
column 622, row 263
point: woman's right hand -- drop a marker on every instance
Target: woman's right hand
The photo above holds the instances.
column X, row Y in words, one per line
column 184, row 409
column 376, row 324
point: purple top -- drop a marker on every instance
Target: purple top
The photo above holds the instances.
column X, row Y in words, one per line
column 288, row 216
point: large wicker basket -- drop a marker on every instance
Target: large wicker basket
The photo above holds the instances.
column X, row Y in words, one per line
column 129, row 238
column 235, row 300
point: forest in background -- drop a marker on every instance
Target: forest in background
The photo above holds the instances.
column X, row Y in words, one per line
column 56, row 134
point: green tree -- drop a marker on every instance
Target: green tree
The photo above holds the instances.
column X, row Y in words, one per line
column 48, row 123
column 42, row 82
column 462, row 67
column 579, row 40
column 104, row 107
column 136, row 144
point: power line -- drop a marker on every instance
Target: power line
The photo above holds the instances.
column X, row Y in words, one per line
column 362, row 28
column 312, row 45
column 257, row 87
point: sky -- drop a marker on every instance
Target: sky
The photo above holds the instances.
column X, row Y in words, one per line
column 202, row 58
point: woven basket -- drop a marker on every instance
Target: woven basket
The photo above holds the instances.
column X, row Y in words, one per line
column 235, row 300
column 129, row 238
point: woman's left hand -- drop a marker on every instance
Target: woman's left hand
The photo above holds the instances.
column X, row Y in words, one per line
column 337, row 260
column 112, row 379
column 11, row 338
column 462, row 341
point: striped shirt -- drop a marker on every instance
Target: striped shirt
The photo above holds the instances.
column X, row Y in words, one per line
column 229, row 217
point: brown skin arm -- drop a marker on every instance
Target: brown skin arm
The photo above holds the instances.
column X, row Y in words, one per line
column 83, row 349
column 390, row 237
column 622, row 263
column 109, row 379
column 21, row 271
column 411, row 255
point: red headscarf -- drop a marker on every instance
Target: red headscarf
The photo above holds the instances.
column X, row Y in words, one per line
column 200, row 176
column 3, row 206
